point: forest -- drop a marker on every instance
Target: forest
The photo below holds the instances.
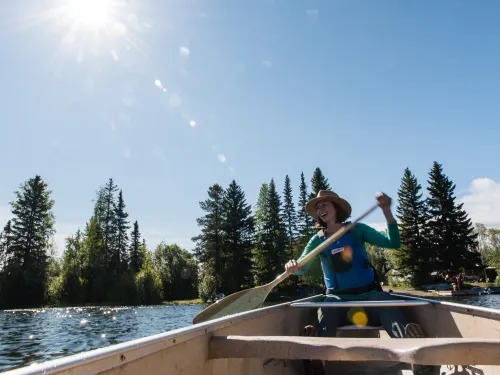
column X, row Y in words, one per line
column 238, row 246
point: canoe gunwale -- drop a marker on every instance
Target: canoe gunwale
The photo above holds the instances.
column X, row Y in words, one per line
column 479, row 311
column 391, row 303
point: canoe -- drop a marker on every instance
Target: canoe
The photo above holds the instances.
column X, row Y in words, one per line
column 461, row 339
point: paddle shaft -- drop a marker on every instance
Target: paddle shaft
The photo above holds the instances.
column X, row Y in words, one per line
column 325, row 244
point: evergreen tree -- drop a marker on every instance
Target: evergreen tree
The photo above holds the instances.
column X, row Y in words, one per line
column 209, row 243
column 277, row 230
column 260, row 252
column 413, row 256
column 96, row 273
column 289, row 217
column 121, row 242
column 32, row 228
column 269, row 252
column 318, row 182
column 306, row 231
column 143, row 250
column 136, row 258
column 261, row 206
column 238, row 226
column 450, row 232
column 5, row 244
column 304, row 221
column 104, row 212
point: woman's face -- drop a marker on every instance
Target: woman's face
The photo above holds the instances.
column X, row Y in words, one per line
column 326, row 211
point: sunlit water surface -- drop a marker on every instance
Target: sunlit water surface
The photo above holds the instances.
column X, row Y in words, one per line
column 29, row 336
column 33, row 336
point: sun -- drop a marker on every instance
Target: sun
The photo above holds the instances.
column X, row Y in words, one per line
column 91, row 14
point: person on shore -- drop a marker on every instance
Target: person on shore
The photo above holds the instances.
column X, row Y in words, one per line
column 347, row 271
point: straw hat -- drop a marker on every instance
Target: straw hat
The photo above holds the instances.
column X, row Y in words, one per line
column 341, row 205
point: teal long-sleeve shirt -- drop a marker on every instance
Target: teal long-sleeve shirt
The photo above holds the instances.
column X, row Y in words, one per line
column 356, row 272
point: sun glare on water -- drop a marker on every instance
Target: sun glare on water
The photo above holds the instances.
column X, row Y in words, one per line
column 90, row 13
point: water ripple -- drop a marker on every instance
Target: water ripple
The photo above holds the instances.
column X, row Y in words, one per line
column 38, row 335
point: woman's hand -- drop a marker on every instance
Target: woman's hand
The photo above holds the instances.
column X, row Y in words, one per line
column 291, row 267
column 384, row 201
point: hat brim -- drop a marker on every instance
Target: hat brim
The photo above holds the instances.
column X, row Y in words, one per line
column 343, row 207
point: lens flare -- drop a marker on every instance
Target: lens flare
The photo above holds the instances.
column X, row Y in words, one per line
column 346, row 255
column 358, row 316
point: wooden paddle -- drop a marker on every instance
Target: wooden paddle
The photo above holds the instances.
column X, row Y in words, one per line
column 248, row 299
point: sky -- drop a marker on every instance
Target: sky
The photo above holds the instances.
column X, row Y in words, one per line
column 169, row 97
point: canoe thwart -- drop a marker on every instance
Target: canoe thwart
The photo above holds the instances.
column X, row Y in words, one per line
column 390, row 303
column 423, row 351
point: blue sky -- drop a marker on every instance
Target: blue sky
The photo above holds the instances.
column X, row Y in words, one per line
column 169, row 97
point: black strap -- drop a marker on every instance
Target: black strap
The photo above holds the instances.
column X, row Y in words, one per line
column 362, row 289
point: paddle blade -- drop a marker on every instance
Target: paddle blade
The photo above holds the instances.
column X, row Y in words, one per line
column 244, row 300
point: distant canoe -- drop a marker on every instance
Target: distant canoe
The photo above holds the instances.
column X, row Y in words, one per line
column 267, row 341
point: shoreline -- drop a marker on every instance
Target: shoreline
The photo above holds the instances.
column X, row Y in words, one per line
column 414, row 293
column 180, row 302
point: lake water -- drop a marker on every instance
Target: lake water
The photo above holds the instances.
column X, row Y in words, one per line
column 38, row 335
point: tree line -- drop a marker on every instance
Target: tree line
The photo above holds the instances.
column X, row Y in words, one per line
column 238, row 245
column 106, row 262
column 240, row 248
column 436, row 234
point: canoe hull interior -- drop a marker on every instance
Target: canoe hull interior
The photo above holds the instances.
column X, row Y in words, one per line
column 267, row 341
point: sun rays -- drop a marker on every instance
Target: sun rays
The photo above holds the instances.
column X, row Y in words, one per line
column 90, row 14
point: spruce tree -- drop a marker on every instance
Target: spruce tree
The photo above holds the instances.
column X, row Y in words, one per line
column 413, row 257
column 318, row 182
column 96, row 272
column 306, row 228
column 289, row 217
column 32, row 228
column 470, row 258
column 209, row 243
column 450, row 232
column 261, row 206
column 260, row 252
column 5, row 244
column 276, row 227
column 237, row 228
column 136, row 258
column 304, row 221
column 104, row 212
column 269, row 252
column 121, row 242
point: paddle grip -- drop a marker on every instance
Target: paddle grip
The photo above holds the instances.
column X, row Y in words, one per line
column 327, row 243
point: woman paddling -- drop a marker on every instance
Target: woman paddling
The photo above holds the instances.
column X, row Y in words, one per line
column 347, row 271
